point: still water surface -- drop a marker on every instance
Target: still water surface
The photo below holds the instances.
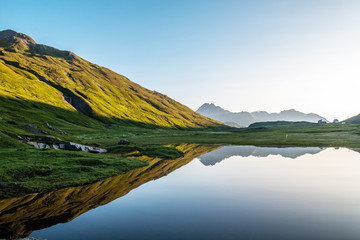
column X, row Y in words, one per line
column 235, row 192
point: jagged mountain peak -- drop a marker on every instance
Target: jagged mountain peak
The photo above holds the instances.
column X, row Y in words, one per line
column 209, row 106
column 11, row 36
column 19, row 42
column 290, row 111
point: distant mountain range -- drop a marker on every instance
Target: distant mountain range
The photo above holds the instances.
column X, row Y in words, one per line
column 244, row 119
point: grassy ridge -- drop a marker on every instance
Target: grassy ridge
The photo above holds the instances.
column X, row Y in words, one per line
column 353, row 120
column 41, row 85
column 59, row 78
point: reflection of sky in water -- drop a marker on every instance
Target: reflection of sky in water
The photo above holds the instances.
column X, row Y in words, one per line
column 312, row 196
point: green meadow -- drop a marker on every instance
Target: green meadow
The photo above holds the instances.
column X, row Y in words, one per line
column 51, row 96
column 26, row 169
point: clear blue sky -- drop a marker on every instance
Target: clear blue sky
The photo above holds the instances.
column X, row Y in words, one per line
column 242, row 55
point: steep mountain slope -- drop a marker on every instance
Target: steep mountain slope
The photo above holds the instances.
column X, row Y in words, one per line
column 246, row 118
column 35, row 77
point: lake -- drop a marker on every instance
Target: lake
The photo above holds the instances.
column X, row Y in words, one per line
column 230, row 192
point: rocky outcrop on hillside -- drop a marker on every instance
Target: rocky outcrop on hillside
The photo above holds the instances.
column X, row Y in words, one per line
column 67, row 146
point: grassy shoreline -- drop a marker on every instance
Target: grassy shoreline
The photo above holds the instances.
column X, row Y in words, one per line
column 27, row 170
column 312, row 136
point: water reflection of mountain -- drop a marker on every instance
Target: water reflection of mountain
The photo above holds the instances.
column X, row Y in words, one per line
column 217, row 156
column 20, row 216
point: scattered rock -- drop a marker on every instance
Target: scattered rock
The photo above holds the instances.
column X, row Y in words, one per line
column 44, row 132
column 67, row 146
column 34, row 144
column 12, row 123
column 50, row 127
column 74, row 146
column 97, row 150
column 1, row 118
column 54, row 128
column 33, row 129
column 79, row 147
column 41, row 145
column 123, row 142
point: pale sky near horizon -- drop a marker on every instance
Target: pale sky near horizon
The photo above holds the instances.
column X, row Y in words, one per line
column 240, row 55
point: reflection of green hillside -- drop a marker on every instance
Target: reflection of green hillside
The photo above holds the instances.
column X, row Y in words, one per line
column 20, row 216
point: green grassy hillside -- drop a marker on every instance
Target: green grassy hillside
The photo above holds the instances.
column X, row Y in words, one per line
column 52, row 96
column 353, row 120
column 40, row 80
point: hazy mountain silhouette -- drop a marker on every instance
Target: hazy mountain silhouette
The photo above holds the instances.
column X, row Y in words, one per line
column 244, row 119
column 219, row 155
